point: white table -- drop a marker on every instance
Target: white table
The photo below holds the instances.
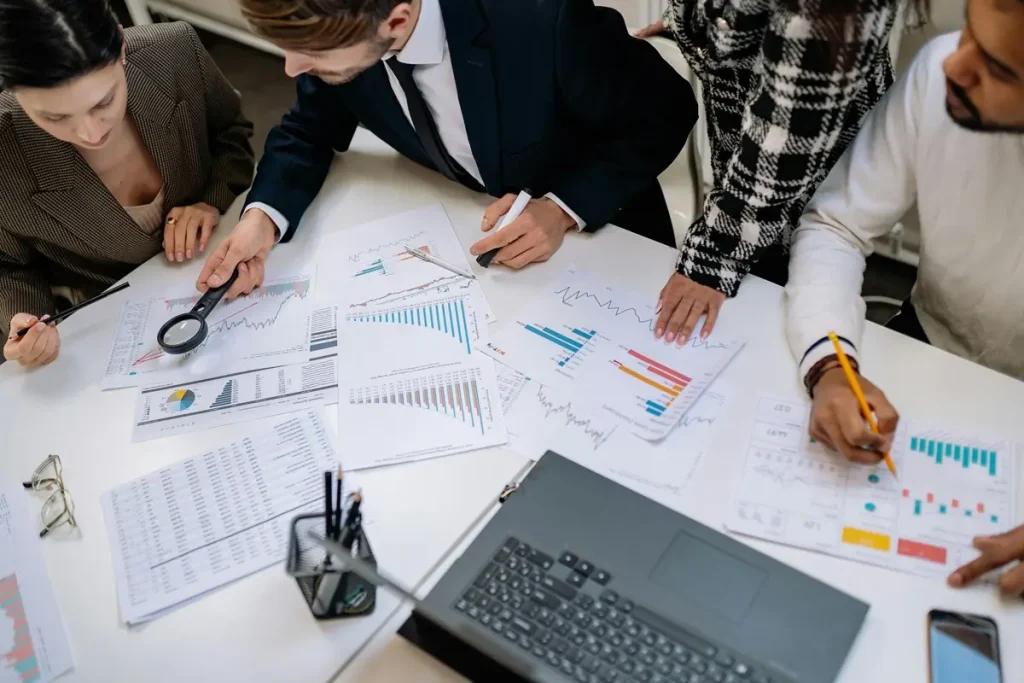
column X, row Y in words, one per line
column 258, row 629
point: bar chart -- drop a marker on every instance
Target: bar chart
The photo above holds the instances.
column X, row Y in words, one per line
column 652, row 375
column 570, row 343
column 451, row 316
column 957, row 454
column 20, row 659
column 420, row 413
column 388, row 265
column 453, row 394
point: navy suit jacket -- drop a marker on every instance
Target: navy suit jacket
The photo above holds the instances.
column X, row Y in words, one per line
column 556, row 95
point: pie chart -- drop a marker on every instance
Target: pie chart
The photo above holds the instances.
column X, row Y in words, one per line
column 180, row 400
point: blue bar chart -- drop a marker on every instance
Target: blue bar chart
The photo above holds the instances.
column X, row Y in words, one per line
column 570, row 341
column 961, row 455
column 449, row 316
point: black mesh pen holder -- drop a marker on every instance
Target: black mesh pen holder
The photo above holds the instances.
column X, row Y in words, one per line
column 329, row 592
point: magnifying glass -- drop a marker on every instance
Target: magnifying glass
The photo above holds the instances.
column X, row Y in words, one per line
column 185, row 332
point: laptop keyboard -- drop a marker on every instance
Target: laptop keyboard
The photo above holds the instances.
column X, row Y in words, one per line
column 562, row 612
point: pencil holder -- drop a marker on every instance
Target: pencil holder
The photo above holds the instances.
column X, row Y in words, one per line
column 329, row 592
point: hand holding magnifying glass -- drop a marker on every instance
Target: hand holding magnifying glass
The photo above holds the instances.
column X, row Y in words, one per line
column 187, row 331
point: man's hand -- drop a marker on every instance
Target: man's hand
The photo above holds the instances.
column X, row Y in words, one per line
column 40, row 344
column 996, row 551
column 534, row 236
column 187, row 225
column 246, row 248
column 652, row 30
column 681, row 304
column 837, row 422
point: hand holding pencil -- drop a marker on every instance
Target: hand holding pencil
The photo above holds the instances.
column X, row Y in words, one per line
column 851, row 415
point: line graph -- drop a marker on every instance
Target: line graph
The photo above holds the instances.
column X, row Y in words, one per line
column 357, row 256
column 572, row 419
column 271, row 325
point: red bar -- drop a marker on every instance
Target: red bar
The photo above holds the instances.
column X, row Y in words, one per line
column 669, row 377
column 932, row 553
column 906, row 493
column 981, row 507
column 931, row 498
column 675, row 376
column 956, row 503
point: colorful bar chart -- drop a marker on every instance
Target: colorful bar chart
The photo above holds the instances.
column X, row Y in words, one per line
column 962, row 455
column 21, row 658
column 455, row 394
column 571, row 342
column 382, row 265
column 928, row 505
column 655, row 375
column 447, row 317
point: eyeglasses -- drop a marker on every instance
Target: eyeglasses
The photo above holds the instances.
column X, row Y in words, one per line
column 58, row 509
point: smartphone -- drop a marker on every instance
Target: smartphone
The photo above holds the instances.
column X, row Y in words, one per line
column 962, row 648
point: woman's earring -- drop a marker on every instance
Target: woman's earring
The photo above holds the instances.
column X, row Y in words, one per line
column 124, row 61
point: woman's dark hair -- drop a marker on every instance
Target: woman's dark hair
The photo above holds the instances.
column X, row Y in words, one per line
column 44, row 43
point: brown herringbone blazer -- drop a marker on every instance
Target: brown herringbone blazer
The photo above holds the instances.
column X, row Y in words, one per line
column 59, row 225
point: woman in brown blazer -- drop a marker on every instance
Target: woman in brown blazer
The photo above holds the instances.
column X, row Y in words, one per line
column 114, row 144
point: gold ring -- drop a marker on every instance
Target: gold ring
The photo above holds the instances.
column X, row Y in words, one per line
column 171, row 221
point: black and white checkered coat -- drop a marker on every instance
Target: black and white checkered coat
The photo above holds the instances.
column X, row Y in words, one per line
column 785, row 92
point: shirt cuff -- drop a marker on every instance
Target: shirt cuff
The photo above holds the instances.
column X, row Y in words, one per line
column 821, row 349
column 580, row 223
column 276, row 216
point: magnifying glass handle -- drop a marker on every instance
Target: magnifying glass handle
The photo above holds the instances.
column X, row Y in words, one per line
column 213, row 296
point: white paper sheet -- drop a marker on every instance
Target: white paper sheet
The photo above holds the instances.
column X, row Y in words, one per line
column 953, row 485
column 271, row 326
column 33, row 646
column 539, row 419
column 594, row 343
column 170, row 409
column 372, row 257
column 211, row 519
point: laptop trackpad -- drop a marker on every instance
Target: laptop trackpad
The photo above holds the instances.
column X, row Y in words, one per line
column 705, row 575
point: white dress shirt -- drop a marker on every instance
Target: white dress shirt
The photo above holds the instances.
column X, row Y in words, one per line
column 969, row 293
column 427, row 51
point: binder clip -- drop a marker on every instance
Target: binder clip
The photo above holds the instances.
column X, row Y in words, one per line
column 329, row 592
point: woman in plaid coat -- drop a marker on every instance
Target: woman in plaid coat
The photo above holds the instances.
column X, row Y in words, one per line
column 786, row 85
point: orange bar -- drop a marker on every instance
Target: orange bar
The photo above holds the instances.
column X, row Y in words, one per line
column 956, row 503
column 906, row 493
column 659, row 387
column 932, row 553
column 931, row 498
column 866, row 539
column 981, row 507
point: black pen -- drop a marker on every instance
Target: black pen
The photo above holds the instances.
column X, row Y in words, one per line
column 353, row 520
column 337, row 505
column 517, row 209
column 65, row 313
column 328, row 512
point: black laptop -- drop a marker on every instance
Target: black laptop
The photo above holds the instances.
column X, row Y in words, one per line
column 577, row 578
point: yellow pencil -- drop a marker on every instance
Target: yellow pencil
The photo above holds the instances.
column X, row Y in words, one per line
column 851, row 377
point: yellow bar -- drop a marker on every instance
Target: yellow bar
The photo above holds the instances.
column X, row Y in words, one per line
column 660, row 387
column 868, row 539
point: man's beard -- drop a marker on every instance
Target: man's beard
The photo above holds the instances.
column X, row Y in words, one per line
column 974, row 122
column 378, row 48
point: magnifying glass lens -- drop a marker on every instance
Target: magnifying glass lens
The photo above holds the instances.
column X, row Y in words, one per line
column 182, row 332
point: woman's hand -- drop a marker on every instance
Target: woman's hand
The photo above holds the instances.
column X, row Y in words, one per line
column 652, row 30
column 40, row 344
column 187, row 225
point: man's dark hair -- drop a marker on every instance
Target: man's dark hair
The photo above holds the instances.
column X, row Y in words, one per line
column 317, row 24
column 44, row 43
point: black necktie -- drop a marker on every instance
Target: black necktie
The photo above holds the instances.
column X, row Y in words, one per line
column 425, row 127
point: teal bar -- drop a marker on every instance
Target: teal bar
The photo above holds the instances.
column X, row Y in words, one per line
column 917, row 507
column 970, row 513
column 938, row 448
column 957, row 450
column 942, row 509
column 994, row 519
column 957, row 457
column 967, row 462
column 949, row 449
column 931, row 448
column 992, row 464
column 938, row 458
column 913, row 443
column 984, row 459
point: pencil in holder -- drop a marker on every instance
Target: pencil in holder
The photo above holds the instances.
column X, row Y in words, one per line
column 329, row 592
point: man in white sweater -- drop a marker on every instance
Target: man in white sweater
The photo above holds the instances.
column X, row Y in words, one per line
column 950, row 136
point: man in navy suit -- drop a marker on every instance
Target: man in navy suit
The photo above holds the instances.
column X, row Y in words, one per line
column 498, row 95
